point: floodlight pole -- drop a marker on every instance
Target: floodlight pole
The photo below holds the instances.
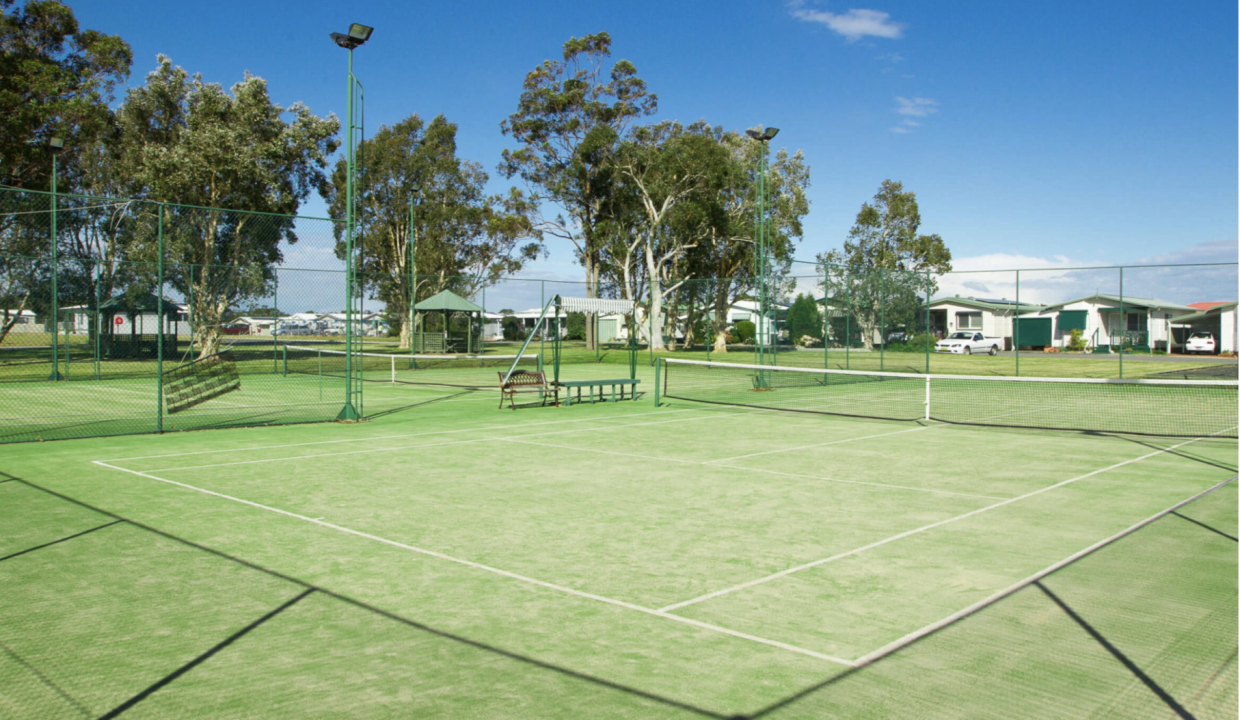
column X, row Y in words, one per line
column 763, row 138
column 350, row 411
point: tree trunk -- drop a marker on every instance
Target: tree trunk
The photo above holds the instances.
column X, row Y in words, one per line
column 656, row 300
column 12, row 322
column 406, row 331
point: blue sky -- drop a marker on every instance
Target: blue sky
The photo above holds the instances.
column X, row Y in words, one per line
column 1042, row 134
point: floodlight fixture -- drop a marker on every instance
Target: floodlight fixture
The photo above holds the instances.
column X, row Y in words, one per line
column 56, row 144
column 770, row 133
column 358, row 34
column 754, row 134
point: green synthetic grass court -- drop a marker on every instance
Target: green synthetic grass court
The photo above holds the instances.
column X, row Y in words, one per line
column 448, row 559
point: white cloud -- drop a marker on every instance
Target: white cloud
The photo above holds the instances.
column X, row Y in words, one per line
column 1050, row 280
column 916, row 107
column 899, row 130
column 854, row 24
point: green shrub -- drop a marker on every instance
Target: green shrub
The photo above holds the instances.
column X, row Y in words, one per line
column 803, row 319
column 513, row 329
column 1076, row 343
column 915, row 344
column 575, row 328
column 745, row 332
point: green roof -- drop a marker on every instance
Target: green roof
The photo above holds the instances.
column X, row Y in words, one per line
column 1127, row 302
column 983, row 305
column 449, row 301
column 140, row 302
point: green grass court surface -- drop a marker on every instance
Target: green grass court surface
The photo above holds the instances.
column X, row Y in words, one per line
column 450, row 559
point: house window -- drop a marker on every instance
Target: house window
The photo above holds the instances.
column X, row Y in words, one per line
column 1137, row 322
column 969, row 321
column 740, row 317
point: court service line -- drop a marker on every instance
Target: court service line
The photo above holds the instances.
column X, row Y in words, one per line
column 1021, row 584
column 907, row 533
column 401, row 436
column 490, row 569
column 824, row 444
column 712, row 464
column 416, row 447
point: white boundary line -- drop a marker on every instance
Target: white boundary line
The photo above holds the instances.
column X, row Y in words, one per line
column 907, row 533
column 404, row 435
column 824, row 444
column 417, row 447
column 712, row 464
column 996, row 597
column 488, row 568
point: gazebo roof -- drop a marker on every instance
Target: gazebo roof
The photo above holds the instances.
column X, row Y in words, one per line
column 138, row 303
column 450, row 301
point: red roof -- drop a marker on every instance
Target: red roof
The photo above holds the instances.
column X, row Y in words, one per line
column 1206, row 305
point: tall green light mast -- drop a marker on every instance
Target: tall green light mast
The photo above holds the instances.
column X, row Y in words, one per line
column 763, row 138
column 357, row 35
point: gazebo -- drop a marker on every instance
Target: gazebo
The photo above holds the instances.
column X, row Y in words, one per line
column 459, row 329
column 130, row 327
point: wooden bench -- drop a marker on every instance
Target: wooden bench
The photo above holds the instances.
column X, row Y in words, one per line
column 525, row 381
column 621, row 383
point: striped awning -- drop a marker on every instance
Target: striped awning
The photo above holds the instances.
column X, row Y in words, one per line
column 595, row 305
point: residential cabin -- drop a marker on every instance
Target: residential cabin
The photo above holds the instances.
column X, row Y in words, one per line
column 1107, row 322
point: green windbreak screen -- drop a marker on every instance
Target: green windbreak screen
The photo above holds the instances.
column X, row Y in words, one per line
column 1035, row 332
column 1070, row 320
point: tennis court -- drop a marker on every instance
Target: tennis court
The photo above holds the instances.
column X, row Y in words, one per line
column 711, row 556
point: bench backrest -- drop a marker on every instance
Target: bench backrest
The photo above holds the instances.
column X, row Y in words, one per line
column 523, row 377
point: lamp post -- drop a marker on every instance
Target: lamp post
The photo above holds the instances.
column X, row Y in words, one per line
column 56, row 145
column 763, row 138
column 357, row 35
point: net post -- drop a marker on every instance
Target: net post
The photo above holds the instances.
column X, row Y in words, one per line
column 658, row 375
column 927, row 398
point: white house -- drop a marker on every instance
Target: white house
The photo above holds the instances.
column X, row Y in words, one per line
column 1219, row 320
column 743, row 310
column 1104, row 321
column 992, row 317
column 24, row 321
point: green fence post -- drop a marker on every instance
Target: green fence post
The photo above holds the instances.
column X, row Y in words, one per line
column 929, row 285
column 98, row 317
column 55, row 375
column 1123, row 324
column 882, row 320
column 658, row 375
column 275, row 325
column 1016, row 325
column 847, row 322
column 159, row 323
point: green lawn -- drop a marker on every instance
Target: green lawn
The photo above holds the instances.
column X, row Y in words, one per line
column 614, row 560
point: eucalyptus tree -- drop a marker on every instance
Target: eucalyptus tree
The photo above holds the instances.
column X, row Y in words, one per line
column 885, row 264
column 55, row 79
column 419, row 197
column 186, row 141
column 668, row 166
column 570, row 119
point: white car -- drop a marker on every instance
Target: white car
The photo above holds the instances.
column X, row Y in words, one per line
column 1199, row 342
column 967, row 342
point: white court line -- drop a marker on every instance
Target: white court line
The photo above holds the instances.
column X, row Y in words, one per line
column 711, row 464
column 403, row 448
column 488, row 568
column 996, row 597
column 832, row 442
column 907, row 533
column 404, row 435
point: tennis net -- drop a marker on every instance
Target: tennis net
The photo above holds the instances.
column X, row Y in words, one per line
column 1174, row 408
column 470, row 371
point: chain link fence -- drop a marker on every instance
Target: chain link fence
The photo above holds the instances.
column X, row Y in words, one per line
column 101, row 299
